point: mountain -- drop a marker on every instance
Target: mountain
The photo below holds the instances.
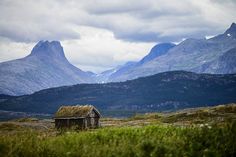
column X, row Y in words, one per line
column 157, row 50
column 48, row 67
column 225, row 64
column 104, row 76
column 160, row 92
column 195, row 55
column 230, row 33
column 45, row 67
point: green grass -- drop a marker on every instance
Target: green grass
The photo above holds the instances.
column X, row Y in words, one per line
column 209, row 131
column 28, row 119
column 217, row 114
column 152, row 140
column 10, row 127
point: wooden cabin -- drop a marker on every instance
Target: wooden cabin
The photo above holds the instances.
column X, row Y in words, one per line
column 77, row 117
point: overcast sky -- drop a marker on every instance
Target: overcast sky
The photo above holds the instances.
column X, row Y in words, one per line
column 100, row 34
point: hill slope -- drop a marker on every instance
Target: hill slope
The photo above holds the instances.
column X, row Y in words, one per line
column 164, row 91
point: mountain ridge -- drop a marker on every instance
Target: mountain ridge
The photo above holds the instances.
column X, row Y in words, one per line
column 156, row 51
column 159, row 92
column 46, row 66
column 188, row 55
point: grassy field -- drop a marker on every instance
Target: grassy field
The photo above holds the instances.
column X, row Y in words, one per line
column 193, row 132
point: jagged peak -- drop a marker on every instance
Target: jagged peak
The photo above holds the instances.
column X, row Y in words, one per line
column 233, row 26
column 231, row 31
column 48, row 43
column 48, row 49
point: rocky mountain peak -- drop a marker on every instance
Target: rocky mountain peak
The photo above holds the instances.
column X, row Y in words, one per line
column 49, row 49
column 231, row 31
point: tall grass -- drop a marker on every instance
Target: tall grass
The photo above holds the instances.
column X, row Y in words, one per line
column 161, row 140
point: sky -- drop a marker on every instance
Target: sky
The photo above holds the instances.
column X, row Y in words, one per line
column 98, row 35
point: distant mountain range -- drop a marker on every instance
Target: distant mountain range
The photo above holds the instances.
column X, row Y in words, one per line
column 45, row 67
column 216, row 55
column 160, row 92
column 48, row 67
column 120, row 71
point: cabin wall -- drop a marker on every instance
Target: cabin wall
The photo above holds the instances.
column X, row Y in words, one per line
column 68, row 123
column 91, row 121
column 96, row 122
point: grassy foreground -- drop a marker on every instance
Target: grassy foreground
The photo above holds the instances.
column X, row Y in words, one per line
column 159, row 140
column 199, row 132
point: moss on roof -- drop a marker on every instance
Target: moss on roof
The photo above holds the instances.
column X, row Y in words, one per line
column 74, row 111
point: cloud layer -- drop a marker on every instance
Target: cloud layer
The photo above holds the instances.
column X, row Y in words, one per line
column 110, row 31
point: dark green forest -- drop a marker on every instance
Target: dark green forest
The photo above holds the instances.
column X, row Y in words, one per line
column 161, row 92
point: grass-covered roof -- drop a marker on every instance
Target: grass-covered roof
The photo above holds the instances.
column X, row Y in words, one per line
column 75, row 111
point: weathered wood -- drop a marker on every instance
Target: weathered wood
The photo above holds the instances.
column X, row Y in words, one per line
column 91, row 120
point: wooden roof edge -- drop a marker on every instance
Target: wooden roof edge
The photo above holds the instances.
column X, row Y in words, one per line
column 69, row 117
column 92, row 108
column 95, row 109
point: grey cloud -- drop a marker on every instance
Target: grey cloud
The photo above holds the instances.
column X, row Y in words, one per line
column 30, row 22
column 103, row 7
column 136, row 21
column 27, row 35
column 224, row 1
column 180, row 15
